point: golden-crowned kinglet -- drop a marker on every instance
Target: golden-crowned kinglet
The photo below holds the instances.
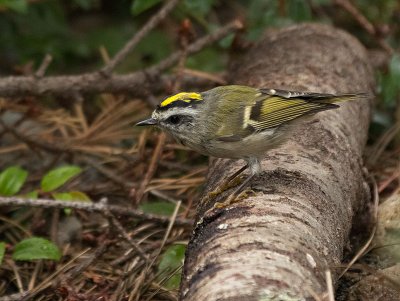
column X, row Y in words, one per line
column 238, row 122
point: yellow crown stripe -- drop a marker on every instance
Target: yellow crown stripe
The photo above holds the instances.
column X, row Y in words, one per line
column 184, row 96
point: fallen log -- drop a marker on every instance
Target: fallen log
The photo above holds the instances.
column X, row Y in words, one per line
column 278, row 242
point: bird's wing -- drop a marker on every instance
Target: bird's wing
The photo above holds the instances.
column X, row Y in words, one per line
column 271, row 108
column 296, row 94
column 279, row 107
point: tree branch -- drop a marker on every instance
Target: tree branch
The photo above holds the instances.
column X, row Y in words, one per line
column 277, row 242
column 136, row 83
column 364, row 23
column 92, row 207
column 154, row 20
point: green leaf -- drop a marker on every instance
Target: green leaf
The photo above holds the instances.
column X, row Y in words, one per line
column 390, row 82
column 19, row 6
column 394, row 66
column 58, row 177
column 227, row 41
column 139, row 6
column 208, row 60
column 36, row 248
column 170, row 261
column 199, row 7
column 11, row 180
column 321, row 2
column 71, row 196
column 299, row 10
column 2, row 251
column 85, row 4
column 159, row 208
column 31, row 195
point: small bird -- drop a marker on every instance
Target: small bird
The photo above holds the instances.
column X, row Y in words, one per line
column 238, row 122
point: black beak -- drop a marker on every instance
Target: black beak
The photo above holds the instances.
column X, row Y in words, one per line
column 150, row 121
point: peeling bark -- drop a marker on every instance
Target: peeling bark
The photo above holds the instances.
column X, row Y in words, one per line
column 277, row 243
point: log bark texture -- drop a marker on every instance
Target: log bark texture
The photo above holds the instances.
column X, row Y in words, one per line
column 277, row 243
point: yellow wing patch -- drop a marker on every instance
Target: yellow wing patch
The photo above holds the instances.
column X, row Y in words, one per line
column 183, row 96
column 274, row 111
column 273, row 104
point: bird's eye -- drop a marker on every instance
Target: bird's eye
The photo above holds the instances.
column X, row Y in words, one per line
column 174, row 119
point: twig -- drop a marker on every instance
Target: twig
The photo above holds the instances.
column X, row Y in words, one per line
column 31, row 142
column 184, row 35
column 94, row 82
column 378, row 273
column 393, row 281
column 154, row 20
column 213, row 78
column 364, row 22
column 152, row 167
column 329, row 284
column 17, row 275
column 122, row 231
column 360, row 18
column 170, row 226
column 176, row 166
column 88, row 261
column 361, row 252
column 313, row 293
column 197, row 46
column 166, row 235
column 56, row 148
column 108, row 173
column 48, row 281
column 149, row 266
column 55, row 219
column 92, row 207
column 13, row 297
column 104, row 54
column 394, row 176
column 44, row 284
column 43, row 66
column 159, row 286
column 35, row 273
column 382, row 143
column 137, row 285
column 129, row 255
column 72, row 274
column 78, row 109
column 14, row 223
column 162, row 195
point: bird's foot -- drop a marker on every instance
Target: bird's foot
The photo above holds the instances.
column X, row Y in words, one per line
column 234, row 198
column 245, row 194
column 224, row 187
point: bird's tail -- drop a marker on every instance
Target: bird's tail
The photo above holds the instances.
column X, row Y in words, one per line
column 345, row 98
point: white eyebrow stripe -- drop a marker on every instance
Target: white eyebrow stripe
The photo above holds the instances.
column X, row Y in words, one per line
column 174, row 111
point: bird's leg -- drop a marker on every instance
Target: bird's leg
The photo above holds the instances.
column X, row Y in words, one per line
column 225, row 184
column 237, row 173
column 241, row 187
column 255, row 168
